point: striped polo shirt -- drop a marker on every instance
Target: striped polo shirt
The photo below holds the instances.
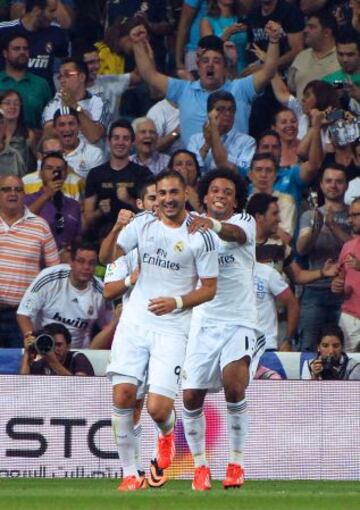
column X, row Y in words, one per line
column 24, row 247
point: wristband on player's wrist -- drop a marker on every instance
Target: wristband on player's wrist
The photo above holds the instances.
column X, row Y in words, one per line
column 217, row 226
column 127, row 282
column 179, row 302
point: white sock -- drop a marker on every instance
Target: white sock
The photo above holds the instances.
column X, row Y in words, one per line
column 238, row 430
column 166, row 427
column 123, row 430
column 137, row 435
column 195, row 428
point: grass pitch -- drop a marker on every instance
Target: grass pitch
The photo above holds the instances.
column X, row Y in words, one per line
column 88, row 494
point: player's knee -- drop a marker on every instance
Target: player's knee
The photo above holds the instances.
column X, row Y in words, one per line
column 159, row 413
column 124, row 397
column 234, row 392
column 192, row 399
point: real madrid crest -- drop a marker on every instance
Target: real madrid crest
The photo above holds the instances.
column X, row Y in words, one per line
column 179, row 247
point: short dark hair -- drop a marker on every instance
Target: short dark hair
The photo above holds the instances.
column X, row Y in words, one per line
column 54, row 328
column 263, row 155
column 9, row 37
column 223, row 173
column 121, row 123
column 142, row 191
column 191, row 154
column 269, row 132
column 80, row 65
column 81, row 244
column 30, row 4
column 333, row 166
column 282, row 109
column 211, row 43
column 259, row 203
column 65, row 110
column 220, row 95
column 54, row 154
column 331, row 329
column 348, row 36
column 167, row 174
column 326, row 20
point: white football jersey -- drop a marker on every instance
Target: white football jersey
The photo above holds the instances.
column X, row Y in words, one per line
column 268, row 284
column 235, row 301
column 120, row 269
column 52, row 298
column 171, row 262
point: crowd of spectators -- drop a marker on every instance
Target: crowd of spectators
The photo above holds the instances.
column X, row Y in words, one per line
column 98, row 97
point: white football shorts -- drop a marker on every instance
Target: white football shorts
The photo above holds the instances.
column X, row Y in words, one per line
column 141, row 353
column 211, row 348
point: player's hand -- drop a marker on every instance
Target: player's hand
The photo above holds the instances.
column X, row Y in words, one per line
column 330, row 269
column 200, row 223
column 316, row 367
column 105, row 205
column 124, row 218
column 352, row 261
column 161, row 305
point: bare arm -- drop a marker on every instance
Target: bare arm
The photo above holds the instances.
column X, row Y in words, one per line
column 219, row 152
column 303, row 276
column 186, row 18
column 205, row 28
column 165, row 142
column 310, row 169
column 308, row 236
column 280, row 89
column 265, row 74
column 144, row 61
column 103, row 339
column 113, row 290
column 109, row 251
column 228, row 231
column 164, row 305
column 291, row 304
column 25, row 324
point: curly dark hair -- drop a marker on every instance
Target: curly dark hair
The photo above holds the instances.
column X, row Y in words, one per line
column 241, row 191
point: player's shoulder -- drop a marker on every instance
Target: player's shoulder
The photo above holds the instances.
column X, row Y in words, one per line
column 264, row 271
column 51, row 276
column 145, row 217
column 242, row 218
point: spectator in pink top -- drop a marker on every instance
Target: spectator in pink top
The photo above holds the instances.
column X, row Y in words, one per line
column 348, row 282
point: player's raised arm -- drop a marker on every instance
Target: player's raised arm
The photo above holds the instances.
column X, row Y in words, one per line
column 109, row 251
column 206, row 292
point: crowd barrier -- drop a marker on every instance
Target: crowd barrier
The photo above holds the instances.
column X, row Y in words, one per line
column 298, row 430
column 287, row 364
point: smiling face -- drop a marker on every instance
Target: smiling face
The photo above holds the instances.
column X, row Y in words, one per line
column 11, row 106
column 120, row 143
column 211, row 67
column 333, row 185
column 286, row 125
column 171, row 198
column 220, row 199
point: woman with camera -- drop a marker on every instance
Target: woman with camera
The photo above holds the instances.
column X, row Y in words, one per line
column 331, row 362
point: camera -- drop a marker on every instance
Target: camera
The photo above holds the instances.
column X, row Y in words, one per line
column 335, row 115
column 331, row 367
column 43, row 344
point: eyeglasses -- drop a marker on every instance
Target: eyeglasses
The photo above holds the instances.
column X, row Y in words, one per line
column 9, row 189
column 67, row 74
